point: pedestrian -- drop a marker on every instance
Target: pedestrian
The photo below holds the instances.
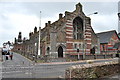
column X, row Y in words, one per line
column 6, row 57
column 11, row 55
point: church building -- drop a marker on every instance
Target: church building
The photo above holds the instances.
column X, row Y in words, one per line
column 71, row 34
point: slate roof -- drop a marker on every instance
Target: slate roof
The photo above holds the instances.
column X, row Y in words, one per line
column 104, row 37
column 119, row 35
column 117, row 45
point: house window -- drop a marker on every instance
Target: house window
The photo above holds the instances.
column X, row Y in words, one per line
column 103, row 47
column 75, row 46
column 80, row 46
column 78, row 28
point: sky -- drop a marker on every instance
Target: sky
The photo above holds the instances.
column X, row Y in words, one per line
column 23, row 16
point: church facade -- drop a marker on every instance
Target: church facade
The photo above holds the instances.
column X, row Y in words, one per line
column 71, row 34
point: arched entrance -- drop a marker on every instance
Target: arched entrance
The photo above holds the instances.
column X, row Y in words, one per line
column 92, row 51
column 48, row 50
column 60, row 52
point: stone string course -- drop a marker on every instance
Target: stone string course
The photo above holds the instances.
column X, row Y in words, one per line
column 92, row 70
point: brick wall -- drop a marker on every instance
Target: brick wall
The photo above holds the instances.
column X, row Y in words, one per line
column 93, row 70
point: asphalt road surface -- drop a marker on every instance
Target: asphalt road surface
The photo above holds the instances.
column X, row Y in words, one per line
column 20, row 67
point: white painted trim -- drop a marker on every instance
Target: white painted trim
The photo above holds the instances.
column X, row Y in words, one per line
column 69, row 30
column 87, row 32
column 88, row 35
column 69, row 20
column 69, row 26
column 88, row 29
column 87, row 49
column 88, row 43
column 69, row 33
column 88, row 38
column 69, row 37
column 61, row 43
column 69, row 42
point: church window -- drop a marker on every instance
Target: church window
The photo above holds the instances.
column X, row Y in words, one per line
column 78, row 28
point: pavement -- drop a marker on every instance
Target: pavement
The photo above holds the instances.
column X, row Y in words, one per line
column 21, row 67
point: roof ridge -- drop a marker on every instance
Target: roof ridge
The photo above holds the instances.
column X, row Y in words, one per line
column 106, row 31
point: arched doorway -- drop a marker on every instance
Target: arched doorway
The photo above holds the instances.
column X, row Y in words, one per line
column 48, row 50
column 60, row 52
column 92, row 51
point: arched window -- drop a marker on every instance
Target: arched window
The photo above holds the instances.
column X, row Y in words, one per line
column 78, row 28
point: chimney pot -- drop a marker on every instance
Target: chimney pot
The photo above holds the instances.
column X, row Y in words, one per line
column 60, row 15
column 46, row 24
column 49, row 22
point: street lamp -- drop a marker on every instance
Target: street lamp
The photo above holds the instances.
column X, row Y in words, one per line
column 92, row 13
column 78, row 54
column 35, row 52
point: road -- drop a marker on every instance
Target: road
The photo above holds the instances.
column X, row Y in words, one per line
column 20, row 67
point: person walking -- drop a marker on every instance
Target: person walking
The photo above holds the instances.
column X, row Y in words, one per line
column 11, row 55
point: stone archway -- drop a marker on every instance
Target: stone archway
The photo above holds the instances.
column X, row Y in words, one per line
column 60, row 52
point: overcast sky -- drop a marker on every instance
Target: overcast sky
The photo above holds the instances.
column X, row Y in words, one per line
column 24, row 16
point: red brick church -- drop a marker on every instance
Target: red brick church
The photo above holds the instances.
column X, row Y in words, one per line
column 69, row 35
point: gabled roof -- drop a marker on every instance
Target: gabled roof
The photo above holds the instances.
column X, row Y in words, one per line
column 105, row 36
column 117, row 45
column 119, row 35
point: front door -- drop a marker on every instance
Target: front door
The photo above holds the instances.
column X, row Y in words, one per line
column 60, row 52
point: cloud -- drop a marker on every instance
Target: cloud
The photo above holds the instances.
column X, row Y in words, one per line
column 103, row 8
column 16, row 23
column 24, row 16
column 104, row 22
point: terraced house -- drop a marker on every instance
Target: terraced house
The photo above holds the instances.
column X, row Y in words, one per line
column 69, row 35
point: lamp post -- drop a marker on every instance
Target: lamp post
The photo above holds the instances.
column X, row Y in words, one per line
column 78, row 54
column 119, row 23
column 35, row 52
column 92, row 13
column 84, row 42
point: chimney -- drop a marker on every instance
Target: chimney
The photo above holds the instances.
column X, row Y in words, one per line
column 60, row 15
column 30, row 34
column 35, row 29
column 49, row 22
column 46, row 24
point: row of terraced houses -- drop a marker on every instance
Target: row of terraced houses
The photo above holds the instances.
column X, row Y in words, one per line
column 70, row 35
